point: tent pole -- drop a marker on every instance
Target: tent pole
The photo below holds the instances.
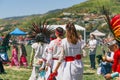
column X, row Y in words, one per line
column 85, row 36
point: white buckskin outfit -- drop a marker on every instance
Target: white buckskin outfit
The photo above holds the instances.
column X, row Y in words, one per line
column 39, row 50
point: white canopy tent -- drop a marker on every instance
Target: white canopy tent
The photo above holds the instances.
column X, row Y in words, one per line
column 98, row 33
column 76, row 26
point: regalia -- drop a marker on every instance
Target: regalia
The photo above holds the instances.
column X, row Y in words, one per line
column 4, row 47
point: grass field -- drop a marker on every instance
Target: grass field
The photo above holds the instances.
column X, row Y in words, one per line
column 24, row 74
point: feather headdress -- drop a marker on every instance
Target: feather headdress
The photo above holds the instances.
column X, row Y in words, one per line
column 115, row 26
column 41, row 31
column 114, row 23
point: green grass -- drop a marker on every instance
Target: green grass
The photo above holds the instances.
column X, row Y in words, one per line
column 24, row 74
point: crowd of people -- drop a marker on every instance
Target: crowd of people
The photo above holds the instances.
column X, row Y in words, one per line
column 16, row 58
column 60, row 58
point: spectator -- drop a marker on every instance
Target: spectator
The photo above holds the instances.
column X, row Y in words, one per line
column 114, row 46
column 106, row 64
column 92, row 45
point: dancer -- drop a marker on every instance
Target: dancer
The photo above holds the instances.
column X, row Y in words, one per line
column 43, row 68
column 4, row 47
column 1, row 63
column 14, row 58
column 115, row 29
column 42, row 33
column 54, row 50
column 113, row 46
column 72, row 65
column 23, row 55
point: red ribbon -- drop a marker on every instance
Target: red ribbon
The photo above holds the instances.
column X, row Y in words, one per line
column 52, row 75
column 59, row 33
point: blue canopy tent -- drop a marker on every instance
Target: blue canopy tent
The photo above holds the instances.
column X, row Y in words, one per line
column 17, row 32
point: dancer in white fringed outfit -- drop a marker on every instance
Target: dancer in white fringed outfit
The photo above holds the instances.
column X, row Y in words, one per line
column 41, row 33
column 39, row 47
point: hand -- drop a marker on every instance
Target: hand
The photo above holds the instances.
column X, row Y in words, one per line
column 40, row 69
column 108, row 76
column 39, row 61
column 55, row 73
column 104, row 58
column 46, row 68
column 52, row 76
column 84, row 53
column 118, row 78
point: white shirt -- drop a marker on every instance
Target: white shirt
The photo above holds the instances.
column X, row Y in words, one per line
column 111, row 56
column 92, row 44
column 39, row 49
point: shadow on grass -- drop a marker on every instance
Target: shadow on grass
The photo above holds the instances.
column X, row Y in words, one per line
column 88, row 73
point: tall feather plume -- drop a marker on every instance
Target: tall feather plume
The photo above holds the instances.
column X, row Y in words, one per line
column 113, row 23
column 107, row 18
column 44, row 26
column 41, row 28
column 36, row 28
column 105, row 9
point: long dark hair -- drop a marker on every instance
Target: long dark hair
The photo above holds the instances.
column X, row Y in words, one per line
column 23, row 49
column 93, row 36
column 71, row 33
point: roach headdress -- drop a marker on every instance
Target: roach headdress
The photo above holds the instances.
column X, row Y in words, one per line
column 41, row 32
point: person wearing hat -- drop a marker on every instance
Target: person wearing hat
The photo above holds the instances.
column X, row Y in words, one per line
column 114, row 26
column 107, row 60
column 114, row 46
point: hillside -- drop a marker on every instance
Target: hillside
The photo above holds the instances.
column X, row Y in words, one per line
column 85, row 13
column 95, row 5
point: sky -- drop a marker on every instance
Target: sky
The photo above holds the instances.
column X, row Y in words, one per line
column 13, row 8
